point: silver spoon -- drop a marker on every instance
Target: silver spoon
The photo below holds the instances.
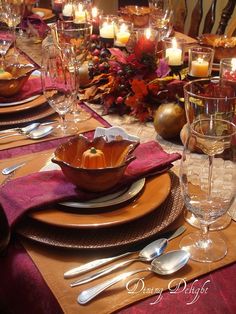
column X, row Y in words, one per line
column 12, row 168
column 147, row 254
column 35, row 134
column 103, row 261
column 165, row 264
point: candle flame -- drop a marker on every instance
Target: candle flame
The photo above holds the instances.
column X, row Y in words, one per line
column 94, row 12
column 123, row 27
column 148, row 33
column 80, row 7
column 200, row 60
column 233, row 63
column 174, row 43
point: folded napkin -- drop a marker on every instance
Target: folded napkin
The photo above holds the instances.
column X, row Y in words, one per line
column 35, row 26
column 45, row 188
column 32, row 87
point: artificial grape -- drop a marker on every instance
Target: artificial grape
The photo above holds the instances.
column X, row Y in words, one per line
column 119, row 100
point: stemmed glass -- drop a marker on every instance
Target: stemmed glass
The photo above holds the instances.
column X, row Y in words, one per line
column 161, row 14
column 59, row 82
column 13, row 11
column 78, row 38
column 208, row 169
column 6, row 39
column 193, row 89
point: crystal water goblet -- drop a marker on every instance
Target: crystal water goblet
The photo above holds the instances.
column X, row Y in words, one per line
column 59, row 86
column 208, row 192
column 206, row 97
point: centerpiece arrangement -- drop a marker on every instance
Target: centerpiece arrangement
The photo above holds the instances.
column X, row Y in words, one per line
column 134, row 82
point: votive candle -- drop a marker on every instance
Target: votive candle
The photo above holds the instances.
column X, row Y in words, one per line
column 174, row 54
column 199, row 68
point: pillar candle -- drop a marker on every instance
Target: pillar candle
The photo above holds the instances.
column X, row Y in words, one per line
column 174, row 54
column 199, row 68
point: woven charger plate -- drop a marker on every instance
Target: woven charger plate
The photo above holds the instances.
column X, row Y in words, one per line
column 124, row 235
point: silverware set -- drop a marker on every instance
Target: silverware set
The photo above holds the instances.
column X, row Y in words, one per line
column 35, row 130
column 162, row 264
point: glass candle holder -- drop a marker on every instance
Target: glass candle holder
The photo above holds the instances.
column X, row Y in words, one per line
column 80, row 13
column 228, row 71
column 200, row 61
column 67, row 10
column 146, row 41
column 107, row 29
column 174, row 51
column 94, row 18
column 123, row 30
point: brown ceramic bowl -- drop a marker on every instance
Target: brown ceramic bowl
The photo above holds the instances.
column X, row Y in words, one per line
column 225, row 47
column 20, row 74
column 117, row 155
column 135, row 14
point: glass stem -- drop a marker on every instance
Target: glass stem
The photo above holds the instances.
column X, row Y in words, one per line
column 63, row 122
column 210, row 158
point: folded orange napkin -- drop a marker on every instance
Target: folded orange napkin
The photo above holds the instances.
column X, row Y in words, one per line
column 44, row 188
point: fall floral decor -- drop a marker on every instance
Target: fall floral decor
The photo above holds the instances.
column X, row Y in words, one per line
column 134, row 83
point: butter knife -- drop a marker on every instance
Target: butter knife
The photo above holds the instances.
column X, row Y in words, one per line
column 99, row 262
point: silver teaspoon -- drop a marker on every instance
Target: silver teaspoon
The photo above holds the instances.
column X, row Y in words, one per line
column 147, row 254
column 99, row 262
column 165, row 264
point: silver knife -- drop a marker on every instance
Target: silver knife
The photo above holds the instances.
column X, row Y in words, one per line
column 99, row 262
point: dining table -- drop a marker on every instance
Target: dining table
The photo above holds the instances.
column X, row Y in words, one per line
column 42, row 244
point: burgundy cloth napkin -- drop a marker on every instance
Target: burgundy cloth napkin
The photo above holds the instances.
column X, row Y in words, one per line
column 44, row 188
column 32, row 87
column 35, row 26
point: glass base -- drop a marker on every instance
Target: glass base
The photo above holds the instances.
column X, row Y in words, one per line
column 211, row 250
column 221, row 223
column 70, row 129
column 78, row 116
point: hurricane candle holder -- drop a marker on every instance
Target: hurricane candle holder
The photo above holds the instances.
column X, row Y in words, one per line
column 200, row 62
column 79, row 13
column 147, row 40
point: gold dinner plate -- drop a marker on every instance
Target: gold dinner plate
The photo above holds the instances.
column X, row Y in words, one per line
column 154, row 194
column 125, row 235
column 38, row 113
column 45, row 14
column 38, row 100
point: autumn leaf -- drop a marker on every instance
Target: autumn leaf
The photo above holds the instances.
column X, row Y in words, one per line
column 119, row 55
column 139, row 88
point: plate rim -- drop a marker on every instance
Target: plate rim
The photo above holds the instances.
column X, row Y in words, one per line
column 135, row 187
column 20, row 102
column 53, row 212
column 40, row 233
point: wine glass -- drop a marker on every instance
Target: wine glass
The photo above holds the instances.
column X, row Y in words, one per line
column 14, row 11
column 223, row 106
column 77, row 37
column 210, row 192
column 59, row 82
column 161, row 14
column 6, row 39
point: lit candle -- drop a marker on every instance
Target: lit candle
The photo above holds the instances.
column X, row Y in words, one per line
column 147, row 33
column 107, row 30
column 67, row 10
column 200, row 68
column 94, row 12
column 79, row 14
column 174, row 54
column 122, row 36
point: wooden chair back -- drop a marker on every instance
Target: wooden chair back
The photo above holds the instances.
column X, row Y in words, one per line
column 195, row 17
